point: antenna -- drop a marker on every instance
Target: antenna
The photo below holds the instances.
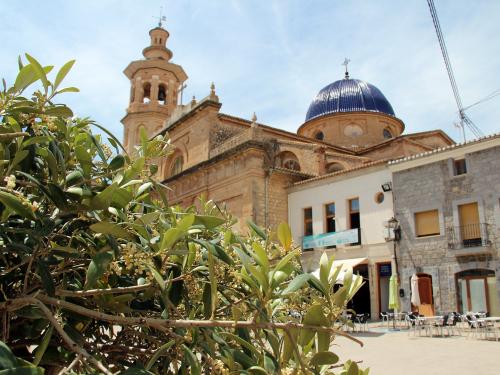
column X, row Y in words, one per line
column 464, row 119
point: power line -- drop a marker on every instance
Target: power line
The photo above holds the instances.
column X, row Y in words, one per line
column 464, row 119
column 486, row 98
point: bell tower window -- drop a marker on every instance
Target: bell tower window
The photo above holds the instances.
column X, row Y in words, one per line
column 146, row 98
column 162, row 94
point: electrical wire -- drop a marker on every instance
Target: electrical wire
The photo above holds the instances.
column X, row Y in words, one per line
column 463, row 117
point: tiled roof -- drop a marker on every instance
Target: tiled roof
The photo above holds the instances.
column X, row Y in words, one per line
column 348, row 95
column 447, row 148
column 344, row 171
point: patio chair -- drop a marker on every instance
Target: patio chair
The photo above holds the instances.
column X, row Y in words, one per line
column 440, row 325
column 385, row 317
column 362, row 321
column 475, row 326
column 453, row 319
column 414, row 324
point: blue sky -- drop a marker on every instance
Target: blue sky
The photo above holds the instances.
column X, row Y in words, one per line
column 269, row 56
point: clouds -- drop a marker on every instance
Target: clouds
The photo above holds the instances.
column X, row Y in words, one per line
column 270, row 57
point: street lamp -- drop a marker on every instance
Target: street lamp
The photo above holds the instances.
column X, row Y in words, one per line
column 394, row 235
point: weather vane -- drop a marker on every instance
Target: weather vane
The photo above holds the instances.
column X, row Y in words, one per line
column 162, row 18
column 346, row 63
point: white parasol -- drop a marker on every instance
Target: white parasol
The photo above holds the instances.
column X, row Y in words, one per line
column 415, row 295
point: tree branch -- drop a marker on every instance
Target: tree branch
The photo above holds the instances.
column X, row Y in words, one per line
column 72, row 345
column 71, row 365
column 99, row 292
column 165, row 325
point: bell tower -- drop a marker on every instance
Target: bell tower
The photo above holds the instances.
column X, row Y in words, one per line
column 154, row 85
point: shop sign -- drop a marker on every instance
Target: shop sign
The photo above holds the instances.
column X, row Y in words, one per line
column 330, row 239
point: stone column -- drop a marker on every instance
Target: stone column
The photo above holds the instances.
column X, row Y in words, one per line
column 139, row 91
column 155, row 82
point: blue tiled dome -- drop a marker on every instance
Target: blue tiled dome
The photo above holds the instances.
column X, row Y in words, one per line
column 348, row 95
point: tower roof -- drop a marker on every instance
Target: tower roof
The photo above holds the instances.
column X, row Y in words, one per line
column 348, row 95
column 157, row 49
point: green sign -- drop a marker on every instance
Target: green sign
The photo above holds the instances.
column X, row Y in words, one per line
column 331, row 239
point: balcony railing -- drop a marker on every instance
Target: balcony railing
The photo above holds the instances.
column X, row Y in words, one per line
column 471, row 235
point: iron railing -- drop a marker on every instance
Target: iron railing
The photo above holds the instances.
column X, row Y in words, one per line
column 471, row 235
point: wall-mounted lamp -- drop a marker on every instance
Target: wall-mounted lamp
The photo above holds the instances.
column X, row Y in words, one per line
column 386, row 187
column 393, row 230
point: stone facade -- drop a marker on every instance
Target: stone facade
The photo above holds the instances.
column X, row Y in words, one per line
column 242, row 163
column 429, row 182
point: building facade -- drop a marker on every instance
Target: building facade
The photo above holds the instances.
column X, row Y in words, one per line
column 246, row 165
column 337, row 205
column 448, row 205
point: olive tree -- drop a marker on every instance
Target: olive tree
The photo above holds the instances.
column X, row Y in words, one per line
column 100, row 274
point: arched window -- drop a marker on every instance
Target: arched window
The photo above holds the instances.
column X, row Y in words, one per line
column 319, row 135
column 176, row 166
column 334, row 167
column 288, row 160
column 146, row 98
column 387, row 134
column 162, row 94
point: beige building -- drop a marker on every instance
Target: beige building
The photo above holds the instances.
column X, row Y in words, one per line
column 248, row 165
column 345, row 214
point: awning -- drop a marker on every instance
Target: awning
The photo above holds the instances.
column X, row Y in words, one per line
column 349, row 262
column 346, row 264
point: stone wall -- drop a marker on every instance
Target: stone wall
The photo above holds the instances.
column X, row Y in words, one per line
column 433, row 186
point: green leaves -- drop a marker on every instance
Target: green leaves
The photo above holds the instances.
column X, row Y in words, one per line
column 313, row 317
column 285, row 235
column 28, row 75
column 7, row 359
column 209, row 222
column 93, row 220
column 192, row 360
column 16, row 205
column 62, row 73
column 97, row 267
column 113, row 229
column 297, row 283
column 324, row 358
column 10, row 365
column 39, row 71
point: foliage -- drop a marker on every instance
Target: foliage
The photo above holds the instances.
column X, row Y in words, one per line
column 99, row 274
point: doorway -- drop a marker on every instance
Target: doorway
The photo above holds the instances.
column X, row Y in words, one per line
column 477, row 292
column 360, row 303
column 426, row 306
column 384, row 271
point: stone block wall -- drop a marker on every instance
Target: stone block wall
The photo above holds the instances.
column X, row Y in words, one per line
column 433, row 186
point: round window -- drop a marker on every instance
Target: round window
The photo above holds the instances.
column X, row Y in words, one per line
column 379, row 197
column 319, row 136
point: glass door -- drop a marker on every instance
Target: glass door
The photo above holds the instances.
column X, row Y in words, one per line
column 478, row 301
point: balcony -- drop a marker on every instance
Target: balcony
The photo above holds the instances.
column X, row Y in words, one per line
column 471, row 239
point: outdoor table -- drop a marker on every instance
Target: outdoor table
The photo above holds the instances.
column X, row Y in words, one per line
column 490, row 319
column 428, row 320
column 493, row 320
column 397, row 318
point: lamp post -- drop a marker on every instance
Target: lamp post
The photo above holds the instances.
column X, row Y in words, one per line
column 394, row 235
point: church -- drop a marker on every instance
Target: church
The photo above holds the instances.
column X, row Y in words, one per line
column 247, row 165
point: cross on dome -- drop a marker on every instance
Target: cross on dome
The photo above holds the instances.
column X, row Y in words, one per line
column 345, row 63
